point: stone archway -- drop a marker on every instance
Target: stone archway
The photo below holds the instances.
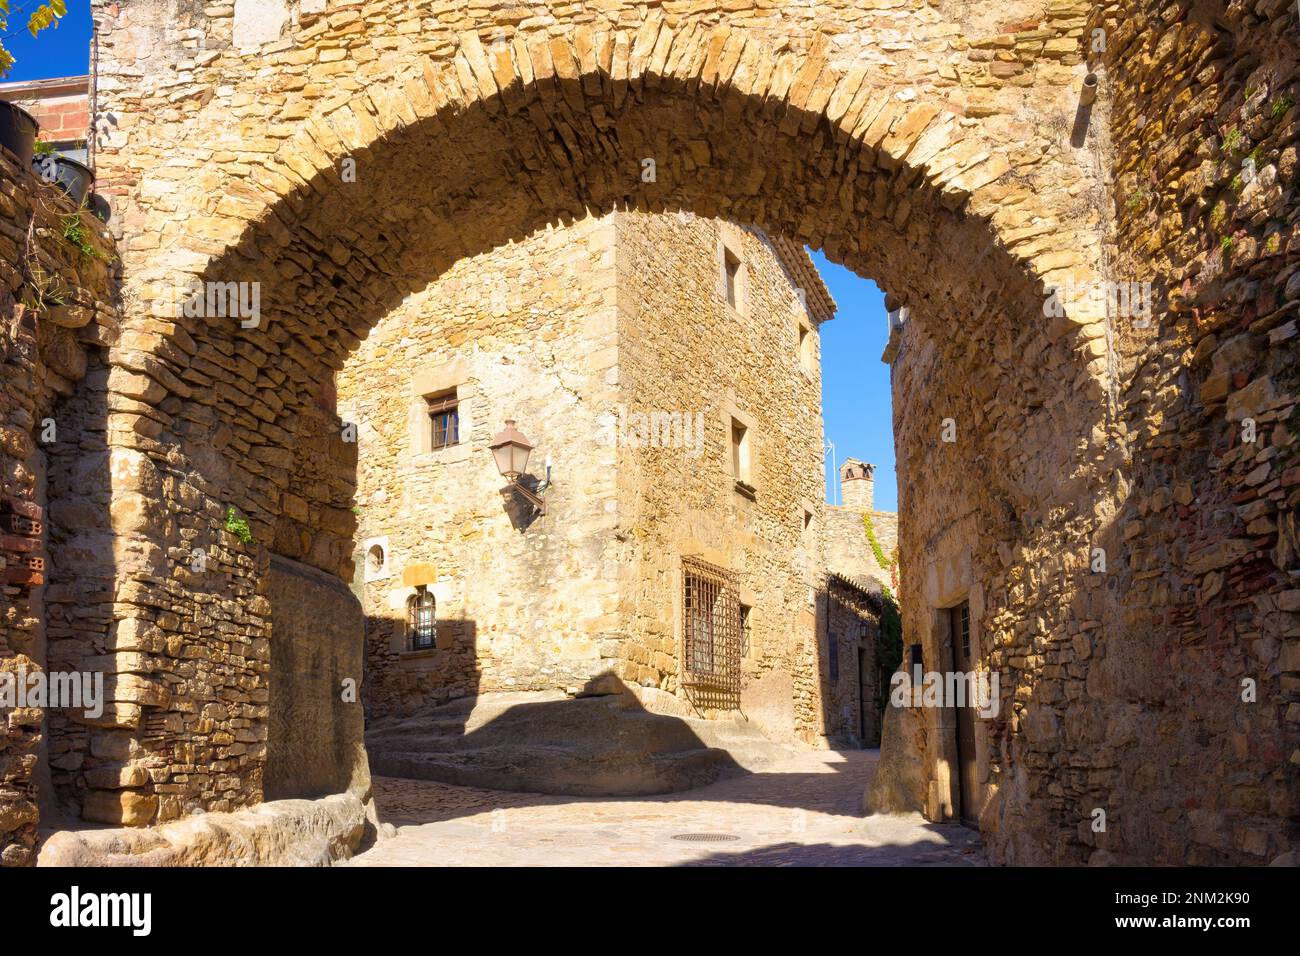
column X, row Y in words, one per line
column 340, row 159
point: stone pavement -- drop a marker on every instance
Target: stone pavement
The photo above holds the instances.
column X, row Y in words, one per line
column 804, row 812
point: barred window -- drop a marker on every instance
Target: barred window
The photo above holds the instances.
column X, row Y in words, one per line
column 961, row 629
column 444, row 418
column 421, row 618
column 712, row 630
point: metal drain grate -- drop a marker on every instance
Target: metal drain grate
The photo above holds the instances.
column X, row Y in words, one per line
column 705, row 837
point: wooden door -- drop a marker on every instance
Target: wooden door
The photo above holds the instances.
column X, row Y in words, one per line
column 961, row 661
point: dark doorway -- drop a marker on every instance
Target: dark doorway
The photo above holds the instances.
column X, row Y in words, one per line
column 959, row 628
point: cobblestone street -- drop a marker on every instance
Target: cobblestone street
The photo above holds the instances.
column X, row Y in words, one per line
column 804, row 813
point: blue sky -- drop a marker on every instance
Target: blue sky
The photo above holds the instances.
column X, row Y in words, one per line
column 855, row 383
column 62, row 50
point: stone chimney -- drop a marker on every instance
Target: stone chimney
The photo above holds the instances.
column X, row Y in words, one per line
column 857, row 485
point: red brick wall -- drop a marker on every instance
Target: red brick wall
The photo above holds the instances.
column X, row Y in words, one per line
column 61, row 106
column 62, row 118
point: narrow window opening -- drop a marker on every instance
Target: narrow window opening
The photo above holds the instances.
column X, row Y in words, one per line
column 731, row 268
column 741, row 471
column 805, row 348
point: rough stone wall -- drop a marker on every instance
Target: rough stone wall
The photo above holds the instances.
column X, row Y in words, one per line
column 317, row 523
column 1210, row 562
column 1122, row 668
column 526, row 331
column 58, row 310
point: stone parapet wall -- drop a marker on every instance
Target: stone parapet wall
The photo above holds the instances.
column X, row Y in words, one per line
column 315, row 729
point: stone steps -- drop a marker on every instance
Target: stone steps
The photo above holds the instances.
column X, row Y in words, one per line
column 550, row 743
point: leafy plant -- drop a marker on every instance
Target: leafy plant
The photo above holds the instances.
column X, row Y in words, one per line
column 74, row 231
column 237, row 525
column 1281, row 105
column 1232, row 140
column 889, row 643
column 1226, row 244
column 889, row 646
column 46, row 15
column 44, row 149
column 1218, row 214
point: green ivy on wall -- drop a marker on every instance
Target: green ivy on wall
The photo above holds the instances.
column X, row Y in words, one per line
column 885, row 562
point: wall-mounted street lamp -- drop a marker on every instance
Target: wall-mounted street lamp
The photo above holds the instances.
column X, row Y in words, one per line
column 511, row 450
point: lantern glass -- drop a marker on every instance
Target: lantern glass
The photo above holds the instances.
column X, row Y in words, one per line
column 519, row 458
column 504, row 458
column 510, row 449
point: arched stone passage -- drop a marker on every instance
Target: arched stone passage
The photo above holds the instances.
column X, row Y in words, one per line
column 781, row 124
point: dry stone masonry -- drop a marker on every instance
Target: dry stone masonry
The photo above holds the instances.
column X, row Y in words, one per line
column 1084, row 482
column 60, row 312
column 1125, row 541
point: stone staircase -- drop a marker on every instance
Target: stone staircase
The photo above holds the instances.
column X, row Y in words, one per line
column 551, row 743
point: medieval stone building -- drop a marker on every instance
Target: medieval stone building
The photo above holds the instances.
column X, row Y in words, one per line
column 665, row 369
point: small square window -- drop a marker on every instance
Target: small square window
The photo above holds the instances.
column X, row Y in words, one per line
column 731, row 270
column 444, row 419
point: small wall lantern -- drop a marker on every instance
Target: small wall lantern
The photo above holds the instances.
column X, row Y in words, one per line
column 511, row 450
